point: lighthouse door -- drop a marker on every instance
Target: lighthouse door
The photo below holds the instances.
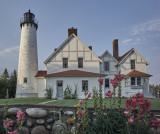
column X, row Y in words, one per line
column 59, row 90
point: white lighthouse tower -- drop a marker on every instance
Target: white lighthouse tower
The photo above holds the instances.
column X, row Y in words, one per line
column 28, row 59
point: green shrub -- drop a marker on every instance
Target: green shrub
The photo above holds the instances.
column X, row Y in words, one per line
column 1, row 123
column 48, row 93
column 68, row 92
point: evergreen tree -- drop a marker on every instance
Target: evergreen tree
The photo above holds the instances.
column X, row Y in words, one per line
column 5, row 73
column 12, row 84
column 4, row 83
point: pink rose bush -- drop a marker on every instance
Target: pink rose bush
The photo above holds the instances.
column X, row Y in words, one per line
column 6, row 123
column 138, row 102
column 117, row 77
column 14, row 132
column 156, row 123
column 20, row 115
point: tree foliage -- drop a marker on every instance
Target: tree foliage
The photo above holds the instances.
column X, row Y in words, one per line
column 155, row 90
column 8, row 82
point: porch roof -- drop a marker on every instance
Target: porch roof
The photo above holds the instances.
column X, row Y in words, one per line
column 75, row 73
column 138, row 73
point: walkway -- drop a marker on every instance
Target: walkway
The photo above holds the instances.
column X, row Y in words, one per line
column 47, row 102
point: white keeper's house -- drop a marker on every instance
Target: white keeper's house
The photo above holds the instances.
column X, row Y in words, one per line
column 74, row 65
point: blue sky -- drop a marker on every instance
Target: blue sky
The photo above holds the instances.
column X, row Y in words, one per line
column 135, row 23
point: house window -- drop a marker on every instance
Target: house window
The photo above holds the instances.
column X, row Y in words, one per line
column 84, row 85
column 65, row 62
column 139, row 81
column 132, row 64
column 107, row 83
column 133, row 81
column 106, row 66
column 25, row 80
column 80, row 62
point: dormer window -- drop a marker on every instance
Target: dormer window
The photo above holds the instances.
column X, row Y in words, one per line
column 106, row 66
column 80, row 62
column 132, row 64
column 65, row 62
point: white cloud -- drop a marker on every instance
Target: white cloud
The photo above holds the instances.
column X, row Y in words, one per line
column 149, row 26
column 12, row 51
column 127, row 41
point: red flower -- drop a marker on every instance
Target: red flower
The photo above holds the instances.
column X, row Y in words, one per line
column 89, row 96
column 79, row 114
column 130, row 120
column 7, row 123
column 81, row 102
column 109, row 94
column 126, row 113
column 14, row 132
column 100, row 80
column 20, row 115
column 83, row 113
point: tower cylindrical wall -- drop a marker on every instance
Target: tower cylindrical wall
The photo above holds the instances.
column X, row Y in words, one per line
column 28, row 62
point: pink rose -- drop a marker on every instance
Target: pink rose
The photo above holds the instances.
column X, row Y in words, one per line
column 14, row 132
column 130, row 120
column 20, row 115
column 89, row 96
column 81, row 102
column 100, row 80
column 109, row 94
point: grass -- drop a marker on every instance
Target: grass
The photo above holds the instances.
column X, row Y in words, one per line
column 24, row 100
column 155, row 103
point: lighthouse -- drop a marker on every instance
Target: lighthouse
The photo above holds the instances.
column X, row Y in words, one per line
column 28, row 57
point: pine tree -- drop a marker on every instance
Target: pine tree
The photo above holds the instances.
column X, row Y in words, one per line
column 12, row 84
column 4, row 83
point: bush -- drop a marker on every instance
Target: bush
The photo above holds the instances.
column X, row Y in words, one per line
column 67, row 92
column 48, row 93
column 1, row 123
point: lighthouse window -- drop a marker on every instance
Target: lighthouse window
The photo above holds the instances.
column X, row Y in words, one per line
column 25, row 80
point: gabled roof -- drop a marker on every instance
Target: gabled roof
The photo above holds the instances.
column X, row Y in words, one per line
column 138, row 73
column 61, row 46
column 109, row 54
column 75, row 73
column 123, row 57
column 41, row 73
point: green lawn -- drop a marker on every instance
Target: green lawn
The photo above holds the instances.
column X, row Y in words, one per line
column 155, row 103
column 24, row 100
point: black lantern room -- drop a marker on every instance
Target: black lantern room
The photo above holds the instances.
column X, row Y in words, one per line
column 29, row 18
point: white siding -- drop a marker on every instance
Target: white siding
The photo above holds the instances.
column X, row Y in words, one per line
column 140, row 65
column 92, row 82
column 41, row 86
column 73, row 50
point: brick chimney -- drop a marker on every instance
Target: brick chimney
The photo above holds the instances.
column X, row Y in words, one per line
column 90, row 47
column 71, row 31
column 115, row 49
